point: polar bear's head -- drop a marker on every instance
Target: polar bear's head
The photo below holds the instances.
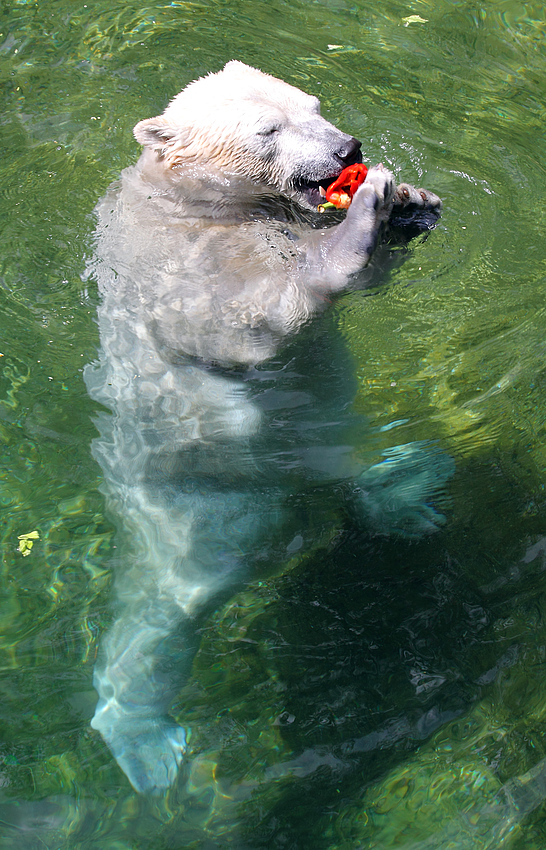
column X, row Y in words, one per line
column 243, row 122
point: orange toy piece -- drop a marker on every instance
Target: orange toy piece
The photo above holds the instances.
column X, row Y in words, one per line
column 340, row 193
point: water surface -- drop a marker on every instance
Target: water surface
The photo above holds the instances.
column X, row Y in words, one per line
column 378, row 694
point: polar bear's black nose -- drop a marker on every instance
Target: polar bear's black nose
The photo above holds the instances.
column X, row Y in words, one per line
column 349, row 153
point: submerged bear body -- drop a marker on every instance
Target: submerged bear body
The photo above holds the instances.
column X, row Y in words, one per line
column 229, row 388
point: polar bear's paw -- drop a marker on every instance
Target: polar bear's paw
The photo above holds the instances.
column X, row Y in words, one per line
column 148, row 750
column 376, row 192
column 414, row 211
column 392, row 496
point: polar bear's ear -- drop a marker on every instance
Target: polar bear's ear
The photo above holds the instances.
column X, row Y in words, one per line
column 155, row 133
column 238, row 69
column 236, row 65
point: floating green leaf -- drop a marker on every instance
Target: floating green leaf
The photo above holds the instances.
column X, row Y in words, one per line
column 414, row 19
column 26, row 542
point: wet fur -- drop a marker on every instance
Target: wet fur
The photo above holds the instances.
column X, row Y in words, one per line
column 211, row 265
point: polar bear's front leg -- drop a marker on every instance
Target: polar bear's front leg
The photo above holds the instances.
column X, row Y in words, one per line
column 369, row 211
column 334, row 255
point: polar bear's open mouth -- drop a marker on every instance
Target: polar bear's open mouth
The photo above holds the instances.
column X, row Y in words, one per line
column 312, row 192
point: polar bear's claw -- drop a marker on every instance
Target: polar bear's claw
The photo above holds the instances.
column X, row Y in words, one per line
column 414, row 210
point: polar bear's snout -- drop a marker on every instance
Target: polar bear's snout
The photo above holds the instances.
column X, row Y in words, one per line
column 349, row 153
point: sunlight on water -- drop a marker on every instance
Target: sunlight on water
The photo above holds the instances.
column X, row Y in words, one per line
column 370, row 693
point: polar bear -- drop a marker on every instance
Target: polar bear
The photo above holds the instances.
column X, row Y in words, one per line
column 229, row 407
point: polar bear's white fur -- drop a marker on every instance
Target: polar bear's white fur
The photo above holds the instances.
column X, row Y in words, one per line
column 211, row 264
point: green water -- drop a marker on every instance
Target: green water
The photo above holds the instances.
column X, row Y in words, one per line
column 378, row 695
